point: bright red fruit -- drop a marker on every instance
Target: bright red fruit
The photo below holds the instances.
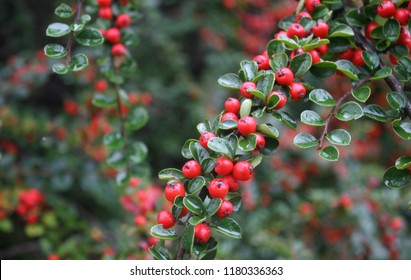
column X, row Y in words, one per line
column 283, row 99
column 173, row 190
column 357, row 58
column 245, row 87
column 247, row 125
column 184, row 211
column 284, row 76
column 297, row 91
column 242, row 171
column 105, row 12
column 260, row 143
column 101, row 85
column 231, row 182
column 166, row 219
column 263, row 62
column 123, row 20
column 218, row 188
column 310, row 5
column 315, row 57
column 295, row 29
column 104, row 3
column 404, row 36
column 232, row 105
column 202, row 233
column 345, row 201
column 320, row 29
column 223, row 166
column 118, row 50
column 386, row 9
column 396, row 223
column 302, row 14
column 322, row 49
column 369, row 28
column 205, row 137
column 346, row 55
column 225, row 210
column 229, row 116
column 402, row 15
column 113, row 35
column 191, row 169
column 393, row 59
column 280, row 33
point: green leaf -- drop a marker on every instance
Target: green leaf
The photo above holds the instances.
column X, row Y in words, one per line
column 300, row 64
column 339, row 137
column 362, row 94
column 228, row 227
column 273, row 101
column 210, row 255
column 185, row 151
column 341, row 30
column 34, row 230
column 315, row 43
column 395, row 179
column 138, row 152
column 255, row 160
column 122, row 178
column 194, row 204
column 196, row 185
column 58, row 29
column 85, row 18
column 270, row 147
column 188, row 238
column 371, row 59
column 63, row 11
column 402, row 129
column 349, row 111
column 391, row 30
column 278, row 60
column 323, row 69
column 250, row 69
column 228, row 125
column 90, row 37
column 395, row 100
column 266, row 84
column 382, row 74
column 6, row 226
column 257, row 94
column 305, row 140
column 347, row 68
column 245, row 108
column 322, row 98
column 321, row 12
column 275, row 46
column 376, row 33
column 355, row 18
column 77, row 27
column 287, row 119
column 55, row 51
column 288, row 42
column 113, row 140
column 382, row 45
column 198, row 152
column 248, row 143
column 78, row 62
column 103, row 101
column 59, row 68
column 171, row 174
column 159, row 254
column 213, row 206
column 403, row 162
column 207, row 164
column 375, row 112
column 311, row 118
column 116, row 159
column 268, row 130
column 230, row 81
column 330, row 153
column 165, row 234
column 196, row 220
column 137, row 118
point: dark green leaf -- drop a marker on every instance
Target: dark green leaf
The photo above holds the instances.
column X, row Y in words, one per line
column 278, row 60
column 185, row 151
column 403, row 130
column 377, row 33
column 85, row 18
column 311, row 118
column 255, row 160
column 245, row 108
column 248, row 143
column 196, row 220
column 138, row 152
column 250, row 69
column 270, row 147
column 347, row 68
column 228, row 227
column 273, row 101
column 257, row 93
column 323, row 69
column 341, row 30
column 391, row 30
column 349, row 111
column 286, row 118
column 403, row 162
column 113, row 140
column 103, row 101
column 90, row 37
column 159, row 254
column 116, row 159
column 159, row 232
column 375, row 112
column 63, row 11
column 394, row 178
column 315, row 43
column 196, row 185
column 355, row 18
column 77, row 27
column 362, row 94
column 58, row 29
column 230, row 81
column 55, row 51
column 330, row 153
column 339, row 44
column 78, row 62
column 268, row 130
column 266, row 84
column 59, row 68
column 170, row 174
column 290, row 43
column 198, row 152
column 339, row 137
column 305, row 140
column 210, row 255
column 213, row 206
column 320, row 12
column 137, row 118
column 382, row 74
column 396, row 100
column 188, row 238
column 371, row 59
column 322, row 98
column 275, row 46
column 194, row 204
column 207, row 164
column 300, row 64
column 122, row 178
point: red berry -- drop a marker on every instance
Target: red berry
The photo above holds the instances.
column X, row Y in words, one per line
column 310, row 5
column 283, row 99
column 284, row 76
column 369, row 28
column 297, row 91
column 315, row 57
column 295, row 29
column 232, row 105
column 191, row 169
column 218, row 188
column 393, row 59
column 242, row 171
column 345, row 201
column 166, row 219
column 396, row 223
column 320, row 29
column 301, row 15
column 246, row 125
column 223, row 166
column 322, row 49
column 123, row 20
column 404, row 36
column 173, row 190
column 386, row 9
column 245, row 87
column 346, row 55
column 53, row 257
column 202, row 233
column 260, row 143
column 229, row 116
column 263, row 62
column 140, row 220
column 104, row 3
column 403, row 16
column 118, row 50
column 184, row 211
column 357, row 59
column 225, row 210
column 296, row 52
column 105, row 12
column 113, row 35
column 281, row 33
column 101, row 85
column 231, row 182
column 205, row 137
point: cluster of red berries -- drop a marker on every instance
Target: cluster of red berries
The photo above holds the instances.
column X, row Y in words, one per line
column 113, row 34
column 31, row 202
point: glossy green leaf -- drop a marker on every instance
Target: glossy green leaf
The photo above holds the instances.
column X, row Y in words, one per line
column 323, row 69
column 371, row 59
column 187, row 238
column 165, row 234
column 59, row 68
column 354, row 18
column 322, row 98
column 339, row 137
column 77, row 27
column 347, row 68
column 259, row 113
column 58, row 29
column 230, row 81
column 275, row 46
column 171, row 174
column 273, row 101
column 207, row 164
column 85, row 18
column 220, row 145
column 377, row 33
column 286, row 118
column 311, row 118
column 375, row 112
column 78, row 62
column 113, row 140
column 257, row 93
column 266, row 84
column 395, row 100
column 137, row 152
column 213, row 206
column 63, row 11
column 341, row 30
column 250, row 69
column 330, row 153
column 245, row 108
column 210, row 255
column 300, row 64
column 391, row 30
column 228, row 227
column 137, row 118
column 305, row 140
column 268, row 130
column 403, row 162
column 122, row 178
column 288, row 42
column 194, row 204
column 403, row 130
column 321, row 12
column 382, row 74
column 196, row 220
column 196, row 185
column 55, row 51
column 185, row 151
column 248, row 143
column 116, row 159
column 159, row 254
column 396, row 179
column 90, row 37
column 349, row 111
column 278, row 60
column 362, row 94
column 198, row 152
column 315, row 43
column 103, row 101
column 270, row 147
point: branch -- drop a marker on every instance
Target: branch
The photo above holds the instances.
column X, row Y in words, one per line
column 71, row 38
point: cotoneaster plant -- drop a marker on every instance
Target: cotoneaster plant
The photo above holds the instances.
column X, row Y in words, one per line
column 322, row 39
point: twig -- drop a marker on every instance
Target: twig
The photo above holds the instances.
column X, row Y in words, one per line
column 71, row 37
